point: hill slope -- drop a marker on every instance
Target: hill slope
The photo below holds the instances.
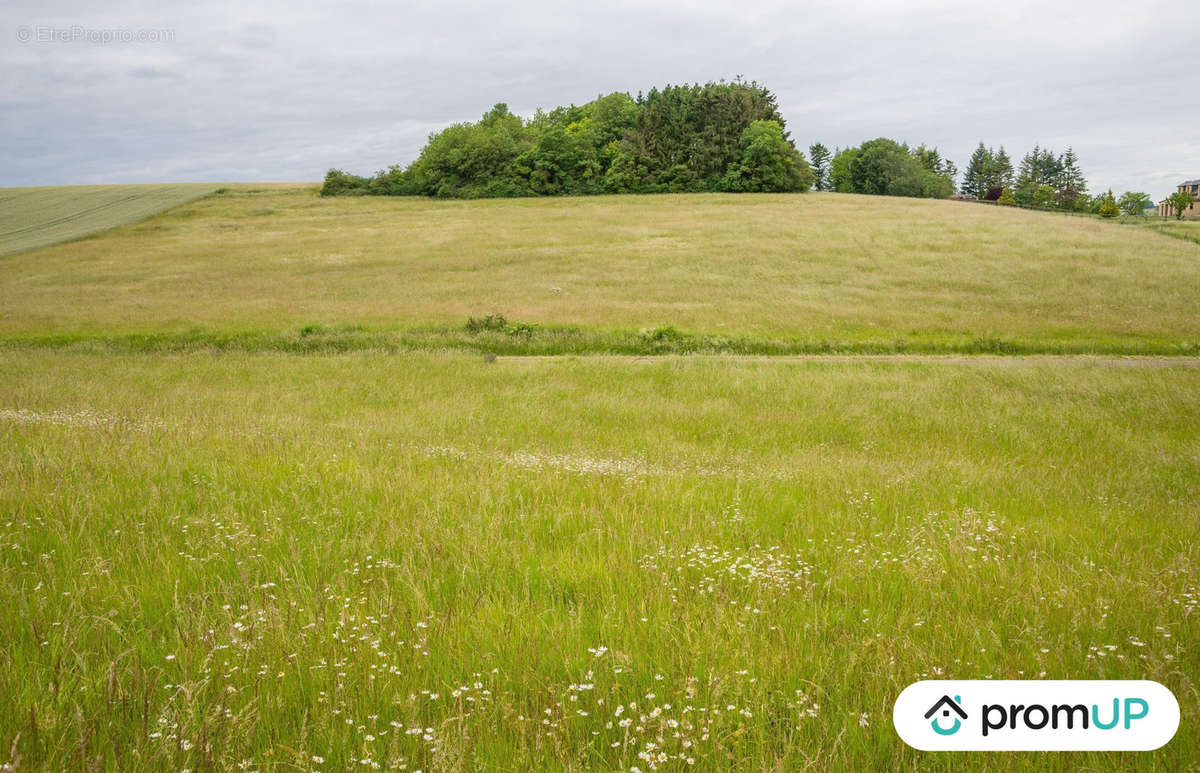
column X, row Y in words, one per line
column 773, row 272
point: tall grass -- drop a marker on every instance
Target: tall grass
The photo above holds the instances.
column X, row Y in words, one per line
column 525, row 339
column 432, row 562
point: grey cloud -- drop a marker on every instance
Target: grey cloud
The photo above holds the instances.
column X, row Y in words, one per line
column 284, row 90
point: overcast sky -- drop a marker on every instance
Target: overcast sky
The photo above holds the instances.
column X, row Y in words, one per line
column 255, row 91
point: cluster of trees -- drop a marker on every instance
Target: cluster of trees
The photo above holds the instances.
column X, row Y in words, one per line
column 715, row 137
column 987, row 170
column 1044, row 179
column 883, row 167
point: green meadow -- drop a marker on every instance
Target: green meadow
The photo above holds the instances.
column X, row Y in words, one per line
column 268, row 503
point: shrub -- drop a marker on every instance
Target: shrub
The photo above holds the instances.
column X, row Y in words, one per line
column 1043, row 196
column 496, row 323
column 662, row 339
column 521, row 329
column 1108, row 206
column 339, row 183
column 490, row 323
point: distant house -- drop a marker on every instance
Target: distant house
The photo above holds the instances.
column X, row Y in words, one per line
column 1190, row 186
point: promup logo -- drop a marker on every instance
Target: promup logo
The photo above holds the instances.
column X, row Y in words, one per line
column 1036, row 715
column 949, row 705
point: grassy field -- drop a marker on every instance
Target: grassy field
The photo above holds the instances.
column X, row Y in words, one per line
column 1188, row 229
column 252, row 268
column 36, row 217
column 435, row 562
column 264, row 506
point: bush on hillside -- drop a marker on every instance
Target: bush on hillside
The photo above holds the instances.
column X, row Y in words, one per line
column 339, row 183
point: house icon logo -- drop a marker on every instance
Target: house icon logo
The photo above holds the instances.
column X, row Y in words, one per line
column 945, row 706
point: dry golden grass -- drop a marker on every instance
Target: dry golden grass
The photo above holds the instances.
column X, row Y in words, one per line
column 821, row 265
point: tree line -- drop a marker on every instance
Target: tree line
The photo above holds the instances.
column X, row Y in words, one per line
column 690, row 138
column 1043, row 180
column 722, row 136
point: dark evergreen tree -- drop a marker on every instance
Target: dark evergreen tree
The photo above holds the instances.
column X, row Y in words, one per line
column 1039, row 168
column 1028, row 175
column 1070, row 177
column 977, row 177
column 818, row 159
column 1002, row 170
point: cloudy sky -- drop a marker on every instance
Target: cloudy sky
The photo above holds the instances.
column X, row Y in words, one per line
column 255, row 91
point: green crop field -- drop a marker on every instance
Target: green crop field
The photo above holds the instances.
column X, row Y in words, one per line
column 37, row 217
column 267, row 503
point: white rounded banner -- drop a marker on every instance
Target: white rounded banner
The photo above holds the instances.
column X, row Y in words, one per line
column 1036, row 715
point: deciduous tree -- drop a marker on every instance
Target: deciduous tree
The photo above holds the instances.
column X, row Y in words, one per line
column 1133, row 203
column 1180, row 201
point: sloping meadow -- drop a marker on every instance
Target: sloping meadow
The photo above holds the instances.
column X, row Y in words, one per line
column 273, row 267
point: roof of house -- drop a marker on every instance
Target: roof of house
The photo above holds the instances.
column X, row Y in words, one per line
column 1184, row 184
